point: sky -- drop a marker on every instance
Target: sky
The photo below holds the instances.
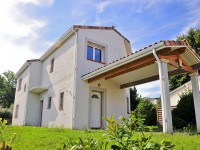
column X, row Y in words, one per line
column 29, row 27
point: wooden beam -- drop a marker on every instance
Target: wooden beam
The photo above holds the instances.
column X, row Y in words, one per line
column 132, row 68
column 156, row 77
column 134, row 65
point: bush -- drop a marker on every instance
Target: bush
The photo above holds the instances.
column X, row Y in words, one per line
column 120, row 136
column 184, row 114
column 146, row 110
column 4, row 145
column 6, row 114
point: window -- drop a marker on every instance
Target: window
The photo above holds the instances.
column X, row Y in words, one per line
column 52, row 65
column 16, row 110
column 128, row 106
column 61, row 101
column 24, row 87
column 95, row 53
column 49, row 103
column 19, row 84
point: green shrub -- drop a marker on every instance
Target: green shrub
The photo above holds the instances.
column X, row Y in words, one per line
column 3, row 144
column 147, row 110
column 120, row 136
column 184, row 114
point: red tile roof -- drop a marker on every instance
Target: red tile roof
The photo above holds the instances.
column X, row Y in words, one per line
column 166, row 43
column 100, row 28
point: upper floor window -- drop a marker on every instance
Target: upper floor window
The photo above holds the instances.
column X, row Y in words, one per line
column 61, row 101
column 95, row 53
column 20, row 84
column 25, row 87
column 49, row 103
column 52, row 65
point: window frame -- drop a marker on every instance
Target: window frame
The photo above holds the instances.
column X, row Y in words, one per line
column 96, row 47
column 49, row 102
column 52, row 65
column 19, row 84
column 16, row 110
column 25, row 87
column 61, row 101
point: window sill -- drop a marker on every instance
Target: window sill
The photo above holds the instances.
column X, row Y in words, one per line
column 96, row 61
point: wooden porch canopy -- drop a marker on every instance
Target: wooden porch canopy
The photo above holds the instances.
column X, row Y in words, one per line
column 141, row 67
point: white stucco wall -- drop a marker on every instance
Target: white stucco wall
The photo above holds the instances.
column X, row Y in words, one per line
column 35, row 74
column 116, row 103
column 174, row 95
column 60, row 80
column 20, row 98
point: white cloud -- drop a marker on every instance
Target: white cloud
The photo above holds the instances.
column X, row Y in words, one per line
column 18, row 32
column 102, row 5
column 151, row 89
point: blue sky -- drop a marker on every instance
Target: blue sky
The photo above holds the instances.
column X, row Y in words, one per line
column 29, row 27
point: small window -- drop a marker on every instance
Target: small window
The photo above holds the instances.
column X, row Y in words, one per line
column 52, row 65
column 49, row 103
column 24, row 87
column 95, row 53
column 19, row 84
column 128, row 106
column 61, row 101
column 16, row 110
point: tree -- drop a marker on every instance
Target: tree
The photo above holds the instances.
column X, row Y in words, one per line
column 184, row 113
column 133, row 98
column 193, row 38
column 178, row 80
column 7, row 89
column 146, row 110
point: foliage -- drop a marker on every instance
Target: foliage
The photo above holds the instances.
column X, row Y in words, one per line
column 184, row 114
column 7, row 89
column 178, row 80
column 86, row 144
column 133, row 98
column 6, row 113
column 120, row 136
column 42, row 138
column 146, row 110
column 193, row 38
column 5, row 145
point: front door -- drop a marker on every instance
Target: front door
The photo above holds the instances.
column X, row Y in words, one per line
column 96, row 110
column 41, row 110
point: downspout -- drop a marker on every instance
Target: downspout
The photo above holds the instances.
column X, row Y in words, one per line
column 161, row 87
column 27, row 89
column 74, row 88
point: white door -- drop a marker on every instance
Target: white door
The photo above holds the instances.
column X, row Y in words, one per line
column 95, row 107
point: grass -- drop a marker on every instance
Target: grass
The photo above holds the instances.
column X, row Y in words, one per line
column 37, row 138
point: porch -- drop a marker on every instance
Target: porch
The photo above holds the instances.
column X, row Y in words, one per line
column 157, row 61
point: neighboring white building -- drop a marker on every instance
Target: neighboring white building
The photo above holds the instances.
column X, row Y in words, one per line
column 51, row 93
column 174, row 95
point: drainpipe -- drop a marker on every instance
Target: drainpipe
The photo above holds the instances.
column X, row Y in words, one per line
column 74, row 88
column 161, row 88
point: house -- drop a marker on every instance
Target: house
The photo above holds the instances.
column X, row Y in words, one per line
column 85, row 76
column 51, row 93
column 174, row 95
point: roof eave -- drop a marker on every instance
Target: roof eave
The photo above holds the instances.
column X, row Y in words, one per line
column 57, row 44
column 23, row 67
column 121, row 62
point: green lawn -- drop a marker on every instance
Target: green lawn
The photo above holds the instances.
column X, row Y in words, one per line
column 32, row 138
